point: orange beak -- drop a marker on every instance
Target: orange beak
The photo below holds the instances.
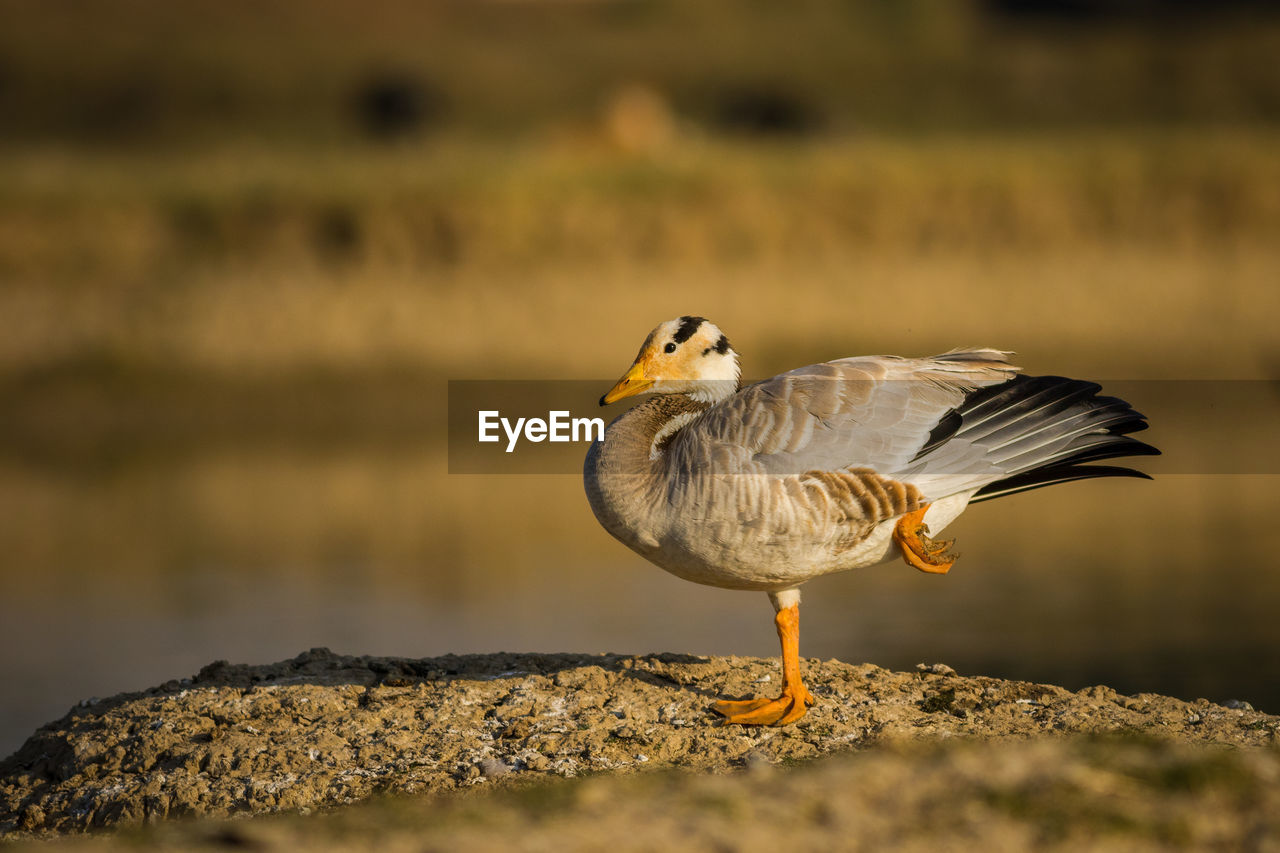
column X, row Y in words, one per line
column 632, row 383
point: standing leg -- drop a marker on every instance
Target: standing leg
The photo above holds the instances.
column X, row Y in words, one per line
column 795, row 699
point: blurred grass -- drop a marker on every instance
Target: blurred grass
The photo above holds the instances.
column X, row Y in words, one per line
column 454, row 258
column 461, row 203
column 244, row 190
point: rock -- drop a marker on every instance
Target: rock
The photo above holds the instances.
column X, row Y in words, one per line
column 493, row 768
column 934, row 669
column 323, row 729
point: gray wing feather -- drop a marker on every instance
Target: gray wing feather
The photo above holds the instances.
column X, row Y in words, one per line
column 872, row 412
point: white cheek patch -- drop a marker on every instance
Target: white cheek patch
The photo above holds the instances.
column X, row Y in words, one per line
column 717, row 377
column 711, row 391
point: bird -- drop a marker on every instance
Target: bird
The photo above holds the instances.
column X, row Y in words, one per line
column 829, row 467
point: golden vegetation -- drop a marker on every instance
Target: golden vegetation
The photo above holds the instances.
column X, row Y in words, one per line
column 422, row 258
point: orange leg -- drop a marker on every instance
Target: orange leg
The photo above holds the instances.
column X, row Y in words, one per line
column 918, row 549
column 795, row 699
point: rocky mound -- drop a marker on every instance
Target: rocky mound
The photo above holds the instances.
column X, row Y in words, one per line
column 325, row 729
column 1107, row 793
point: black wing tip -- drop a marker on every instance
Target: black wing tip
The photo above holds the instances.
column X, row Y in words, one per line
column 1109, row 446
column 1053, row 475
column 1137, row 422
column 1141, row 448
column 947, row 426
column 1092, row 472
column 1055, row 393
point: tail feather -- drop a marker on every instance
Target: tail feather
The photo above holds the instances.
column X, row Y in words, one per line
column 1071, row 430
column 1039, row 430
column 1100, row 447
column 1021, row 399
column 1057, row 418
column 1052, row 476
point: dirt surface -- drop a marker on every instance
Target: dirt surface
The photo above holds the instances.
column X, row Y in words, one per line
column 1110, row 794
column 324, row 730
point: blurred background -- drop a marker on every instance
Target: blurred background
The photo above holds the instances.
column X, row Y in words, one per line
column 245, row 246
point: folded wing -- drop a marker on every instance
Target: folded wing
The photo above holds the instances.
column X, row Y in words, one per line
column 876, row 412
column 961, row 422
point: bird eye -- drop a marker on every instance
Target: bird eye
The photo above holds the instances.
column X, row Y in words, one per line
column 669, row 348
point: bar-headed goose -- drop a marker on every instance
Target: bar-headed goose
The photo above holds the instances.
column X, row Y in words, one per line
column 828, row 467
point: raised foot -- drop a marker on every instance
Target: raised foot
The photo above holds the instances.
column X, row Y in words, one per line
column 782, row 711
column 918, row 550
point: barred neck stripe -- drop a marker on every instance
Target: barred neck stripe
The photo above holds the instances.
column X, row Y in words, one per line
column 668, row 430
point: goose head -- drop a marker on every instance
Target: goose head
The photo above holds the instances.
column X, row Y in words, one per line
column 687, row 355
